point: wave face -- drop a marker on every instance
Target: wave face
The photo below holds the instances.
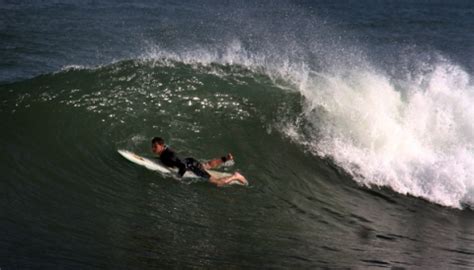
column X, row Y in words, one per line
column 412, row 133
column 354, row 129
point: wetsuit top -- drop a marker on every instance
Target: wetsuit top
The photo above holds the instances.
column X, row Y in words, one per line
column 169, row 158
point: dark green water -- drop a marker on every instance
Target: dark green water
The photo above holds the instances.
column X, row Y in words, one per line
column 352, row 125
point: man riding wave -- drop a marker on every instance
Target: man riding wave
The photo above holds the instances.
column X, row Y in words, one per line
column 170, row 159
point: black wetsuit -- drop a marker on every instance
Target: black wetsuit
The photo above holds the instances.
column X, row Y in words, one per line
column 169, row 158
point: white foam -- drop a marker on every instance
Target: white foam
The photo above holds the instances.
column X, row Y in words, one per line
column 419, row 143
column 73, row 67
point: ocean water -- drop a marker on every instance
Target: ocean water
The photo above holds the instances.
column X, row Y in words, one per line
column 352, row 120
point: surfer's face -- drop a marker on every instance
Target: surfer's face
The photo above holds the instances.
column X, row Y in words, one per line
column 157, row 148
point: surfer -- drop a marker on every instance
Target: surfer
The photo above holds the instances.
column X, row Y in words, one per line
column 169, row 158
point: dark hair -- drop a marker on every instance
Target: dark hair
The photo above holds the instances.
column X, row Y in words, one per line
column 158, row 140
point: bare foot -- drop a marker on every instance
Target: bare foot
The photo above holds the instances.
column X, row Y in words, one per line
column 241, row 178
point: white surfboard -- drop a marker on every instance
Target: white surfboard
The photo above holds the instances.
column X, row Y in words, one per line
column 156, row 166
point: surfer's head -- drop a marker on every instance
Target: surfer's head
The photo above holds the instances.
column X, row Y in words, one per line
column 157, row 145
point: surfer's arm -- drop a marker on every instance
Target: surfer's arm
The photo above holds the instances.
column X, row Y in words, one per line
column 178, row 164
column 181, row 166
column 170, row 159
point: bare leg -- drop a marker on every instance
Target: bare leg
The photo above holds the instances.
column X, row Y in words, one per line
column 226, row 180
column 216, row 162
